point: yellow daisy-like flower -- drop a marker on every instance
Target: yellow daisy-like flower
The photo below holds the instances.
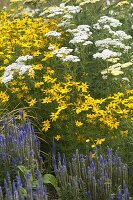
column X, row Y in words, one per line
column 124, row 133
column 54, row 116
column 93, row 146
column 78, row 123
column 6, row 61
column 47, row 100
column 88, row 140
column 122, row 3
column 100, row 141
column 46, row 125
column 57, row 137
column 4, row 97
column 32, row 102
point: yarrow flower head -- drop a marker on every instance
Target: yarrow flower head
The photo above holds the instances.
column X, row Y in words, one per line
column 63, row 54
column 106, row 53
column 18, row 67
column 81, row 34
column 108, row 21
column 53, row 34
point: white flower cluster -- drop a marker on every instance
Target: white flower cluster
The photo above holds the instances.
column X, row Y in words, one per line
column 116, row 69
column 81, row 34
column 65, row 11
column 62, row 51
column 109, row 2
column 71, row 58
column 105, row 43
column 106, row 53
column 19, row 66
column 125, row 79
column 108, row 42
column 63, row 54
column 106, row 22
column 121, row 35
column 30, row 11
column 117, row 41
column 64, row 23
column 88, row 2
column 53, row 34
column 61, row 10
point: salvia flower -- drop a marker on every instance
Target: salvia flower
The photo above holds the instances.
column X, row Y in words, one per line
column 14, row 190
column 103, row 176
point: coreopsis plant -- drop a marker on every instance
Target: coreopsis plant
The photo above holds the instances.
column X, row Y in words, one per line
column 65, row 103
column 22, row 36
column 63, row 68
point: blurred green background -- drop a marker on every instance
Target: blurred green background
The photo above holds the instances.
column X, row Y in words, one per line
column 4, row 3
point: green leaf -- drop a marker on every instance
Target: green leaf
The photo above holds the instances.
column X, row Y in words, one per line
column 23, row 192
column 50, row 179
column 34, row 184
column 23, row 169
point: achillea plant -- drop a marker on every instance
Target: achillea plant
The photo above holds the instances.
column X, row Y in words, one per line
column 92, row 176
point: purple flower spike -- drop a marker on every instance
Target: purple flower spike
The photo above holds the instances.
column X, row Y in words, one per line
column 59, row 157
column 111, row 198
column 64, row 160
column 109, row 152
column 54, row 149
column 21, row 113
column 19, row 183
column 74, row 157
column 92, row 165
column 119, row 195
column 101, row 159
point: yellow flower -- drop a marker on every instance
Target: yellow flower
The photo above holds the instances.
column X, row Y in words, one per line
column 15, row 90
column 88, row 140
column 2, row 68
column 122, row 3
column 20, row 96
column 47, row 55
column 46, row 125
column 32, row 102
column 100, row 141
column 78, row 123
column 68, row 77
column 6, row 61
column 50, row 70
column 14, row 1
column 83, row 87
column 81, row 138
column 36, row 53
column 93, row 155
column 37, row 67
column 78, row 110
column 57, row 137
column 46, row 100
column 124, row 133
column 4, row 97
column 54, row 116
column 25, row 88
column 24, row 115
column 38, row 84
